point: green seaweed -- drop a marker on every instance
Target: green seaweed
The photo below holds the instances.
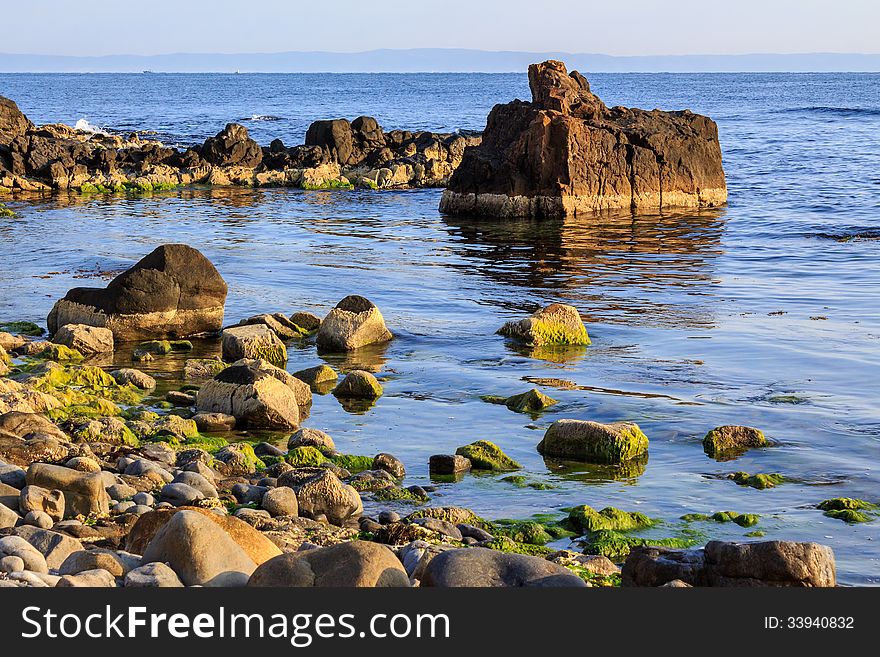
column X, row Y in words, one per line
column 395, row 494
column 758, row 481
column 506, row 544
column 485, row 455
column 352, row 462
column 586, row 519
column 22, row 328
column 615, row 545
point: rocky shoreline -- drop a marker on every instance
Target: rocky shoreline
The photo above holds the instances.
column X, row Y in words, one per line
column 337, row 154
column 104, row 482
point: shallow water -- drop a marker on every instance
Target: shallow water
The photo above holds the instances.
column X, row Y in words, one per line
column 697, row 319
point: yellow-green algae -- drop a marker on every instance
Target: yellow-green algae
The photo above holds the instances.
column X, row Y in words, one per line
column 486, row 455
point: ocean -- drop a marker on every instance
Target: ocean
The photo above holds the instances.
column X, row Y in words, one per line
column 763, row 313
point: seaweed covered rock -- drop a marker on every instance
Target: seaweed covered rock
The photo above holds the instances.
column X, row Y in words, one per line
column 307, row 437
column 532, row 401
column 325, row 495
column 356, row 563
column 355, row 322
column 486, row 455
column 174, row 291
column 480, row 567
column 732, row 440
column 249, row 391
column 593, row 442
column 557, row 324
column 567, row 153
column 849, row 509
column 253, row 341
column 85, row 339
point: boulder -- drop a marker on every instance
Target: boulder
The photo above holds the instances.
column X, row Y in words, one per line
column 180, row 494
column 731, row 440
column 174, row 291
column 721, row 563
column 390, row 464
column 115, row 563
column 152, row 575
column 359, row 384
column 355, row 322
column 15, row 546
column 232, row 146
column 593, row 442
column 85, row 339
column 255, row 545
column 214, row 422
column 13, row 123
column 306, row 437
column 54, row 546
column 199, row 552
column 317, row 376
column 326, row 495
column 447, row 464
column 138, row 379
column 253, row 395
column 351, row 564
column 566, row 153
column 306, row 320
column 84, row 493
column 557, row 324
column 253, row 341
column 8, row 517
column 481, row 567
column 280, row 501
column 88, row 579
column 37, row 499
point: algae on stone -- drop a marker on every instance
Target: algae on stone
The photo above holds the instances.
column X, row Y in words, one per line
column 485, row 455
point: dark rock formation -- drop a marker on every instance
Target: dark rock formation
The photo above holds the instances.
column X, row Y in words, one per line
column 566, row 153
column 232, row 146
column 175, row 291
column 337, row 154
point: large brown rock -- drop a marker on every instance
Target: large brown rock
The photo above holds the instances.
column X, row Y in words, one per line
column 255, row 395
column 722, row 563
column 85, row 339
column 174, row 291
column 257, row 547
column 356, row 563
column 200, row 552
column 84, row 492
column 566, row 153
column 13, row 123
column 232, row 146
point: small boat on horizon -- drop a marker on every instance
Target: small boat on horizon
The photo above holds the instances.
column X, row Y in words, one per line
column 148, row 71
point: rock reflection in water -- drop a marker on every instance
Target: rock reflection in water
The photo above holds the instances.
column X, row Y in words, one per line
column 612, row 266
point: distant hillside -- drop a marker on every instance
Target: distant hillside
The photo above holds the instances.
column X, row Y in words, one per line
column 431, row 59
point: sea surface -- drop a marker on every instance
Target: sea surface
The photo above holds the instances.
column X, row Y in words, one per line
column 764, row 313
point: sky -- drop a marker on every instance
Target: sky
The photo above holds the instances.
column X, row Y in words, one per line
column 613, row 27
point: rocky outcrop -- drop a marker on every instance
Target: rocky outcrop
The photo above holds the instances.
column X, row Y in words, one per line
column 175, row 291
column 338, row 154
column 567, row 153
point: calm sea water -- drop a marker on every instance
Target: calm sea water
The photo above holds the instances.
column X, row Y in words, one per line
column 764, row 313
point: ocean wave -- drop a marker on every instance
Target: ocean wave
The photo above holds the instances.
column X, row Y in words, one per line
column 832, row 111
column 263, row 117
column 85, row 126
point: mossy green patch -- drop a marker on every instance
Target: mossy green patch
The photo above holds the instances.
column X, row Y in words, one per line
column 849, row 509
column 305, row 457
column 6, row 212
column 507, row 544
column 757, row 533
column 615, row 545
column 731, row 440
column 327, row 184
column 532, row 533
column 180, row 345
column 60, row 353
column 354, row 463
column 759, row 481
column 157, row 347
column 395, row 494
column 741, row 519
column 485, row 455
column 586, row 519
column 22, row 328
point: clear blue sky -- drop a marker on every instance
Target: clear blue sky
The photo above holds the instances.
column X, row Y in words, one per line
column 615, row 27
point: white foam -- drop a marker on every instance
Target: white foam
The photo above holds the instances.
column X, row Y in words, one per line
column 85, row 126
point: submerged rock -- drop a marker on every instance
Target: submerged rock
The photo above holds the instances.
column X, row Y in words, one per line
column 557, row 324
column 566, row 153
column 731, row 440
column 174, row 291
column 355, row 322
column 532, row 401
column 593, row 442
